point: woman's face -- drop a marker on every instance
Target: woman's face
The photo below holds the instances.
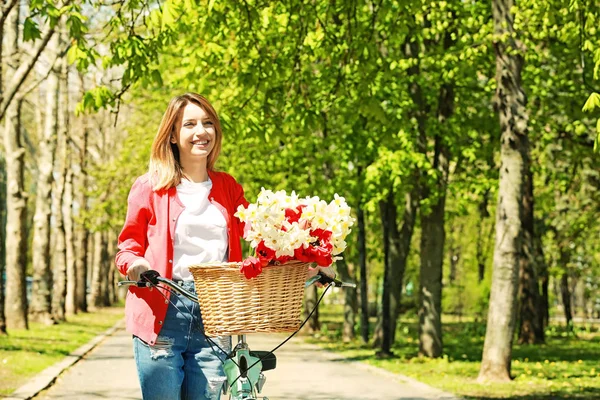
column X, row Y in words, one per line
column 195, row 134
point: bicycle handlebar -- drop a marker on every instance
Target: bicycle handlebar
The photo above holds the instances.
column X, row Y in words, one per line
column 167, row 282
column 323, row 279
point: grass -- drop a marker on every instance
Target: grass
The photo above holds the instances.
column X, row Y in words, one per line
column 565, row 367
column 24, row 353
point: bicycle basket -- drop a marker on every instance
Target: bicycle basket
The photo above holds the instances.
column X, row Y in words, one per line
column 233, row 305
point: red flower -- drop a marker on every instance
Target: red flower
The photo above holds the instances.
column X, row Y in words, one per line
column 322, row 234
column 293, row 214
column 251, row 267
column 264, row 254
column 319, row 251
column 315, row 252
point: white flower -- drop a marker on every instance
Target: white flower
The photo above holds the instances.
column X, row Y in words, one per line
column 266, row 221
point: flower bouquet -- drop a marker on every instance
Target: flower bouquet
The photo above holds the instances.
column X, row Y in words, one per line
column 287, row 234
column 282, row 228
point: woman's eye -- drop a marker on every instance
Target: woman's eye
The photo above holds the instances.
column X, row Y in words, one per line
column 188, row 124
column 209, row 123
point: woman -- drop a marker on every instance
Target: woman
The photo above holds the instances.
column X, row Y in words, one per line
column 179, row 214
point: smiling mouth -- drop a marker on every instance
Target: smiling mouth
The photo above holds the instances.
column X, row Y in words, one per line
column 200, row 142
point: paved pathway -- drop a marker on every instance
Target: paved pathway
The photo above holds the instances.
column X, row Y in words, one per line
column 303, row 372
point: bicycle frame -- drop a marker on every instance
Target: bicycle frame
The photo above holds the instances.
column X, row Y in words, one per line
column 244, row 371
column 244, row 376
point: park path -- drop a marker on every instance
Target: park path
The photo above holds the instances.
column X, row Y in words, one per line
column 303, row 372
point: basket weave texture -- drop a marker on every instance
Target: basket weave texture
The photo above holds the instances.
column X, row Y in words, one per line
column 233, row 305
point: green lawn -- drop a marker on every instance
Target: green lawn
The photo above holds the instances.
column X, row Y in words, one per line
column 24, row 353
column 565, row 367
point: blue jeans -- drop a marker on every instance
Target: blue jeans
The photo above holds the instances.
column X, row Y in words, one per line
column 181, row 365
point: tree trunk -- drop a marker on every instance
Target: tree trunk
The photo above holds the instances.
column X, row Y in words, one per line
column 454, row 250
column 70, row 301
column 514, row 155
column 106, row 271
column 82, row 238
column 432, row 259
column 565, row 293
column 362, row 260
column 483, row 215
column 42, row 273
column 385, row 207
column 400, row 248
column 543, row 277
column 16, row 200
column 96, row 284
column 350, row 301
column 530, row 329
column 59, row 274
column 397, row 247
column 67, row 210
column 59, row 290
column 81, row 233
column 2, row 240
column 433, row 234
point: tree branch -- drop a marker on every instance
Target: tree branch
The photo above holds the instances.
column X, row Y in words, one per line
column 23, row 72
column 23, row 93
column 5, row 11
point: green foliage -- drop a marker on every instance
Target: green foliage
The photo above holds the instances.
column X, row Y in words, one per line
column 30, row 30
column 321, row 98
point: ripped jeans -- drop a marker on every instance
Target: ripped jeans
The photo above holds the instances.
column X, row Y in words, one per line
column 181, row 365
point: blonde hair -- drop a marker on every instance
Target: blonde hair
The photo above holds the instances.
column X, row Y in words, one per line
column 164, row 168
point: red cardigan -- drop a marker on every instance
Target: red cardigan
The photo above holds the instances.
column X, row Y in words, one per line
column 149, row 232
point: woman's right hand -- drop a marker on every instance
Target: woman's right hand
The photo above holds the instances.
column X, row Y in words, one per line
column 137, row 268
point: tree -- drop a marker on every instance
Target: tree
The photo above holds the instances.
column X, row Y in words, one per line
column 59, row 267
column 2, row 242
column 511, row 105
column 530, row 324
column 42, row 273
column 81, row 230
column 16, row 200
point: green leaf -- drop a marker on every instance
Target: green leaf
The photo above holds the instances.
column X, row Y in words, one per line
column 72, row 54
column 168, row 16
column 30, row 30
column 156, row 77
column 592, row 102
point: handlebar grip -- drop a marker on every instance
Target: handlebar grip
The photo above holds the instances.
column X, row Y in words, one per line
column 150, row 276
column 324, row 279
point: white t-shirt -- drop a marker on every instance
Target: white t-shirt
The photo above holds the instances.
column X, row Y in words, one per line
column 200, row 232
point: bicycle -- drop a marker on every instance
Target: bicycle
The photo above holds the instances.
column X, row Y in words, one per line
column 243, row 367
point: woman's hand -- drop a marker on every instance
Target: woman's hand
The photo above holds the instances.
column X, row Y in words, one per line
column 137, row 268
column 329, row 271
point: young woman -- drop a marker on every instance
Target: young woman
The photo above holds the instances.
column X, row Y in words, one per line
column 180, row 213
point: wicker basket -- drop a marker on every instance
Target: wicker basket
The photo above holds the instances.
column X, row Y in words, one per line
column 233, row 305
